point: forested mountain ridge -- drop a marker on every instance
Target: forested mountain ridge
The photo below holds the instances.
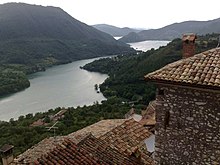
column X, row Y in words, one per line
column 33, row 37
column 126, row 73
column 115, row 31
column 31, row 32
column 175, row 30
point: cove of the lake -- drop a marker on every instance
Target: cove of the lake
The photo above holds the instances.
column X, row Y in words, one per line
column 60, row 86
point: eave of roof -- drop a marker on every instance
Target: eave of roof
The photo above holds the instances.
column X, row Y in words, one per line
column 201, row 70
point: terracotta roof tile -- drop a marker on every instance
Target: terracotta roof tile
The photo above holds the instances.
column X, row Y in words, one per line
column 105, row 153
column 121, row 142
column 127, row 138
column 68, row 153
column 42, row 148
column 98, row 129
column 199, row 70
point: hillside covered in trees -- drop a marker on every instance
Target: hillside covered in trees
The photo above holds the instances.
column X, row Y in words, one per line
column 33, row 37
column 126, row 73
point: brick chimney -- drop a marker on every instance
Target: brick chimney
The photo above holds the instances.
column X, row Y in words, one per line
column 189, row 46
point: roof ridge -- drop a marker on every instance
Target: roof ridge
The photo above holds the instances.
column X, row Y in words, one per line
column 201, row 69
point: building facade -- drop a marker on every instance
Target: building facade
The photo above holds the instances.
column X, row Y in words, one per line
column 188, row 110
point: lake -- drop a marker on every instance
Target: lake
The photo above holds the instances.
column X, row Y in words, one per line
column 147, row 45
column 59, row 86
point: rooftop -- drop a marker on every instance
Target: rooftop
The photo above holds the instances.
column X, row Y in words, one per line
column 126, row 137
column 98, row 129
column 42, row 148
column 116, row 141
column 6, row 148
column 201, row 70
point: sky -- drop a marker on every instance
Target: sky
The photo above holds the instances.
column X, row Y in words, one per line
column 134, row 13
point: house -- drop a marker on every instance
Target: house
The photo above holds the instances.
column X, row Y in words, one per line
column 6, row 153
column 116, row 141
column 125, row 135
column 188, row 109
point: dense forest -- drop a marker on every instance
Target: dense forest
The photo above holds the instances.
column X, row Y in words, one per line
column 124, row 88
column 126, row 73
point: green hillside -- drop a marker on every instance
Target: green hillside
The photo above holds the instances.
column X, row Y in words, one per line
column 34, row 37
column 126, row 73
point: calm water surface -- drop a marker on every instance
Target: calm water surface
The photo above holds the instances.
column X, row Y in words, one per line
column 147, row 45
column 60, row 86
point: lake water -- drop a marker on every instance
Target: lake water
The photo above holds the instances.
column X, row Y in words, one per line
column 60, row 86
column 147, row 45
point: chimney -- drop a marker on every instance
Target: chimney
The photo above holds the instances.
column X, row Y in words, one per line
column 189, row 46
column 7, row 154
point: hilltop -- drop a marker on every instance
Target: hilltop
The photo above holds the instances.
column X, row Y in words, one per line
column 115, row 31
column 175, row 30
column 33, row 37
column 31, row 33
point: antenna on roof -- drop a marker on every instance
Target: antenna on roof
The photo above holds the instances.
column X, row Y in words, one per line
column 53, row 127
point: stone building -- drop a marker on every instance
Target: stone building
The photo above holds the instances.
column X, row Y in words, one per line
column 188, row 110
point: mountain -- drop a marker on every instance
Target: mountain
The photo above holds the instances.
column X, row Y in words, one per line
column 32, row 34
column 34, row 37
column 115, row 31
column 175, row 31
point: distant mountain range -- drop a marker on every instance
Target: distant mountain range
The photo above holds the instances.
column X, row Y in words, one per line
column 174, row 31
column 31, row 34
column 115, row 31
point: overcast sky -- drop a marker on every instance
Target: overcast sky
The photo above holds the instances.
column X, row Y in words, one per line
column 134, row 13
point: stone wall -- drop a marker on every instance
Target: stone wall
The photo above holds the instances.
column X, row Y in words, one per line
column 188, row 126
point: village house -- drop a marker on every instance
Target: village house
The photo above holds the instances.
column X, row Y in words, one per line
column 115, row 141
column 188, row 108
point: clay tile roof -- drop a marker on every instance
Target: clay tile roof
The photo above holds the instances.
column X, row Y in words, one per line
column 127, row 137
column 68, row 153
column 105, row 153
column 42, row 148
column 201, row 70
column 119, row 143
column 98, row 129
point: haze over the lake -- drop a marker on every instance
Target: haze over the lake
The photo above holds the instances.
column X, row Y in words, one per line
column 134, row 13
